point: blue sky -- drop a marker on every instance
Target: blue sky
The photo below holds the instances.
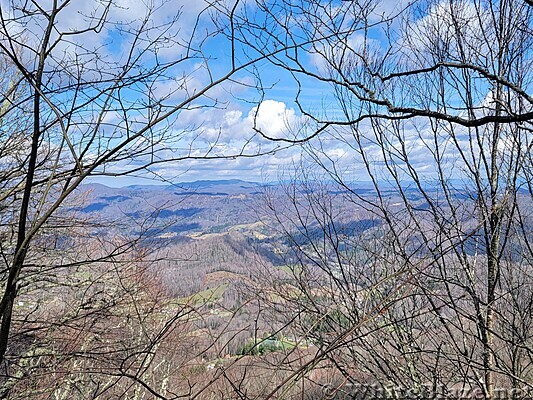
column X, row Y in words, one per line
column 224, row 122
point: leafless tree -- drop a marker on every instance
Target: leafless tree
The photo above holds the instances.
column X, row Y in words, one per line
column 431, row 108
column 93, row 89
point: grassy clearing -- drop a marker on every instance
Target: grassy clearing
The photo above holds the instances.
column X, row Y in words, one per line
column 209, row 295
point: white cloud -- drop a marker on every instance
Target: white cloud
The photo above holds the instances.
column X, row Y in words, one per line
column 114, row 31
column 274, row 120
column 457, row 29
column 225, row 132
column 233, row 126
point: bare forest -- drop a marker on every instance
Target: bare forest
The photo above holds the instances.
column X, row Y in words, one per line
column 266, row 199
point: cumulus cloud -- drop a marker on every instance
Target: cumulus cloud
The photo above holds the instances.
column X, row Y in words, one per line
column 234, row 126
column 274, row 120
column 224, row 133
column 443, row 24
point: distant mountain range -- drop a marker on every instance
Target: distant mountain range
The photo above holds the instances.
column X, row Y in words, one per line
column 188, row 210
column 184, row 208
